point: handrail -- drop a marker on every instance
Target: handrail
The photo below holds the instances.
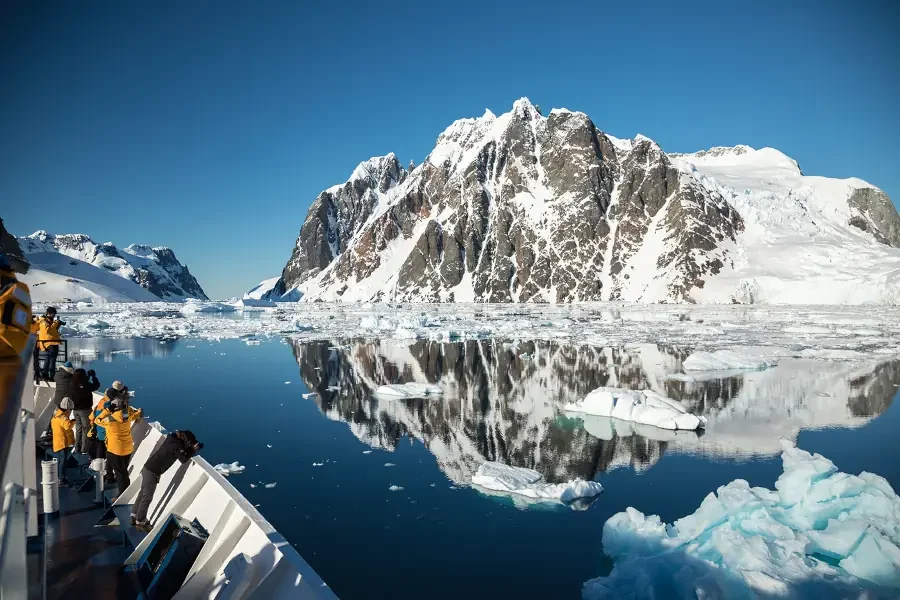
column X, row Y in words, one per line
column 13, row 373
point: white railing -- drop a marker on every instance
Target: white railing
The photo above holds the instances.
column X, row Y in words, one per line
column 18, row 508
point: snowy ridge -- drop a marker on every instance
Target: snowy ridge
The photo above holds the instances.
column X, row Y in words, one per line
column 155, row 269
column 526, row 208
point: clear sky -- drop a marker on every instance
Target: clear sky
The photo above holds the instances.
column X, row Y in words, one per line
column 210, row 126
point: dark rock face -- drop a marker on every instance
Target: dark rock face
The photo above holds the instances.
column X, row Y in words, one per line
column 167, row 278
column 878, row 215
column 527, row 208
column 10, row 246
column 338, row 213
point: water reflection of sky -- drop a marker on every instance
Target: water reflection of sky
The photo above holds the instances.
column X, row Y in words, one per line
column 503, row 403
column 84, row 350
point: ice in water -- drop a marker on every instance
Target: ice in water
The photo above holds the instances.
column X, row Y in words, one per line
column 819, row 531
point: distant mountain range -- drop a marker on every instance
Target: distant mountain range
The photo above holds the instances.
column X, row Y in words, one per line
column 524, row 207
column 74, row 268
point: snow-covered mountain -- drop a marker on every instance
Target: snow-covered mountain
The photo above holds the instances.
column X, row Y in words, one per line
column 73, row 267
column 526, row 208
column 505, row 402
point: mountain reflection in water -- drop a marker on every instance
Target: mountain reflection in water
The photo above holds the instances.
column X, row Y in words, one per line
column 504, row 402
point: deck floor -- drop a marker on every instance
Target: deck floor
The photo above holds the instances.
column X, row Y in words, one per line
column 80, row 558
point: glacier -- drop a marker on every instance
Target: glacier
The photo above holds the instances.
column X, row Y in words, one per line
column 819, row 533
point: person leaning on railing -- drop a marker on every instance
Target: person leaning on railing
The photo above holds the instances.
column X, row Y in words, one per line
column 117, row 420
column 180, row 446
column 50, row 341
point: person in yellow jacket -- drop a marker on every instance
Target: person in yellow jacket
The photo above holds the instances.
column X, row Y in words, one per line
column 49, row 341
column 63, row 428
column 117, row 420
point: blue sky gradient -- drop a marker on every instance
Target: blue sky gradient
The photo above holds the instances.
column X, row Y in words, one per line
column 210, row 127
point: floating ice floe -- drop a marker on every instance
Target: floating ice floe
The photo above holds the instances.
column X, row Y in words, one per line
column 645, row 407
column 309, row 395
column 193, row 306
column 820, row 533
column 367, row 452
column 498, row 477
column 269, row 486
column 408, row 390
column 229, row 469
column 395, row 488
column 390, row 465
column 728, row 360
column 317, row 464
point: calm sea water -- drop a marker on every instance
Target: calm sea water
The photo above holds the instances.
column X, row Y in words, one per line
column 437, row 537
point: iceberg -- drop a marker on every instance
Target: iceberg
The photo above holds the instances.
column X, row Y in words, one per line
column 644, row 407
column 728, row 360
column 408, row 390
column 498, row 477
column 820, row 533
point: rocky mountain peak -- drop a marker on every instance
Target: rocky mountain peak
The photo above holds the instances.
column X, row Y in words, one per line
column 526, row 208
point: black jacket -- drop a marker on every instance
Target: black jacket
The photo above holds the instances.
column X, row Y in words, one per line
column 63, row 381
column 165, row 456
column 82, row 395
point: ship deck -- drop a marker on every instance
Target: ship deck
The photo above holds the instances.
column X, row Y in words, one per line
column 77, row 556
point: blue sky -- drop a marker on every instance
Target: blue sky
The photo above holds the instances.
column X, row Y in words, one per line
column 211, row 126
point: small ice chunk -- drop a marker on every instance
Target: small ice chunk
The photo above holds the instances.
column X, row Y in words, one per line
column 227, row 469
column 316, row 464
column 269, row 486
column 287, row 383
column 309, row 395
column 529, row 483
column 268, row 445
column 395, row 488
column 253, row 485
column 390, row 465
column 367, row 452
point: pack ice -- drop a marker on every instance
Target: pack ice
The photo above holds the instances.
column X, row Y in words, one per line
column 820, row 533
column 645, row 407
column 502, row 478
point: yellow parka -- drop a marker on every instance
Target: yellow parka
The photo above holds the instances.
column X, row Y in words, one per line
column 118, row 429
column 63, row 430
column 48, row 333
